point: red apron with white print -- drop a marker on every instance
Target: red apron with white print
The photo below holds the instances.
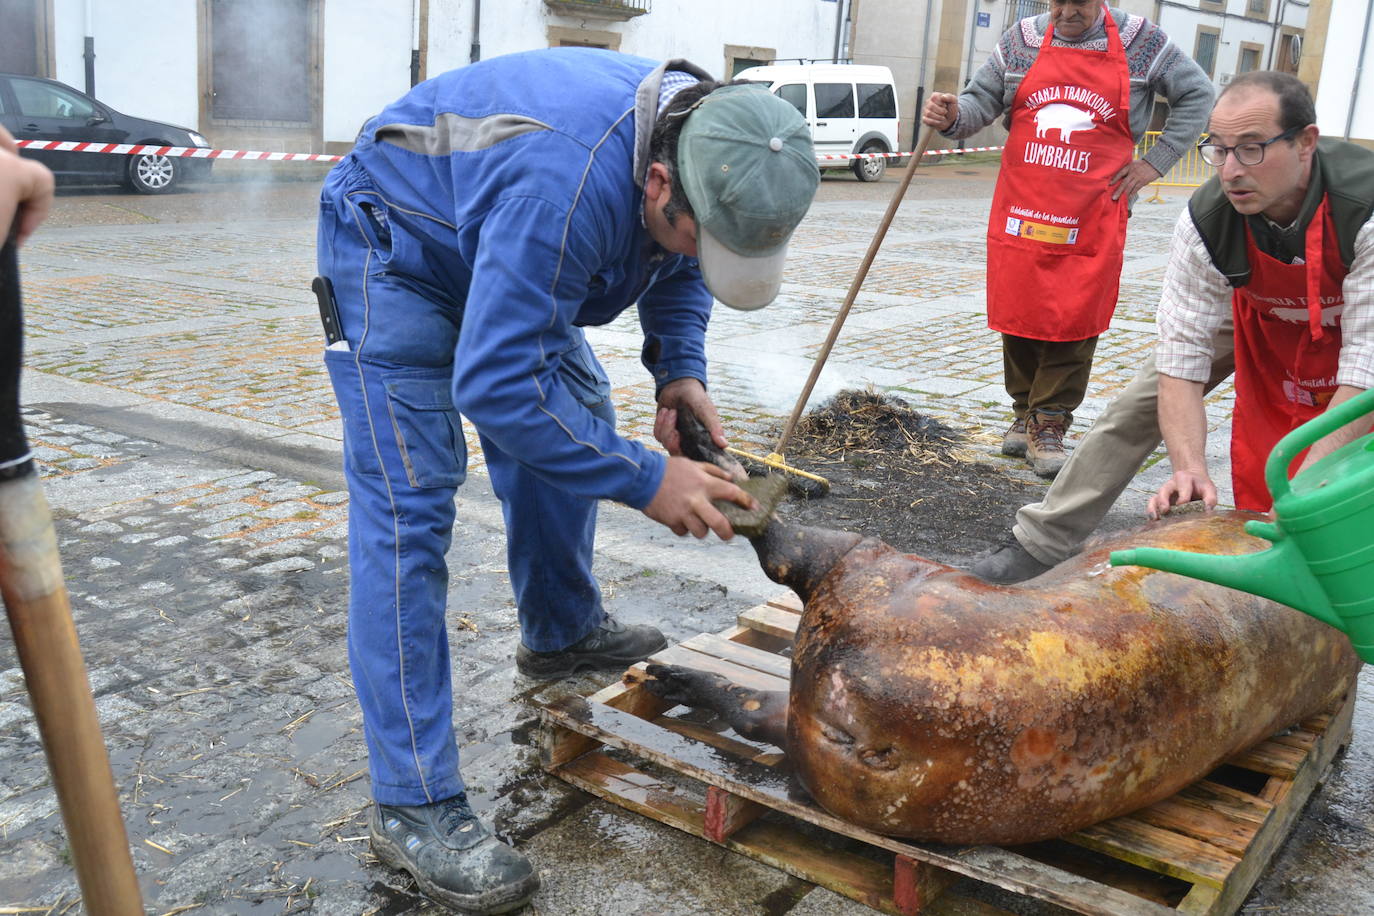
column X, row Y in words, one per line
column 1288, row 345
column 1055, row 236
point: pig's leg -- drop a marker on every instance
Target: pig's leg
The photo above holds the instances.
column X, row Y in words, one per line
column 697, row 445
column 759, row 715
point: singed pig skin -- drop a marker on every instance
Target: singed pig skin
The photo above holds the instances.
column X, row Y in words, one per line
column 928, row 704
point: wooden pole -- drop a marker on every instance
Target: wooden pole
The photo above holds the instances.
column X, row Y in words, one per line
column 45, row 639
column 853, row 292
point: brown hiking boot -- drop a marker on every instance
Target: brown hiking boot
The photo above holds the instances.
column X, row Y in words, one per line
column 1014, row 441
column 1045, row 443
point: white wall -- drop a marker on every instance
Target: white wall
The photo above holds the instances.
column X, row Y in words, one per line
column 450, row 33
column 1181, row 25
column 147, row 51
column 145, row 55
column 697, row 30
column 367, row 45
column 1337, row 85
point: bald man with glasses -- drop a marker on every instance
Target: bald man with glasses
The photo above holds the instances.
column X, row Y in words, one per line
column 1284, row 243
column 1278, row 245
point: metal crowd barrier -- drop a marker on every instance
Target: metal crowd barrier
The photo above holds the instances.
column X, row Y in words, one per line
column 1189, row 172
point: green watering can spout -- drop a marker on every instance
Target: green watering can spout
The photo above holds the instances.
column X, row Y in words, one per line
column 1277, row 573
column 1322, row 561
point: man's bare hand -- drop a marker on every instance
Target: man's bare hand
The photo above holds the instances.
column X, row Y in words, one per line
column 690, row 393
column 1183, row 487
column 1131, row 178
column 683, row 500
column 940, row 111
column 26, row 189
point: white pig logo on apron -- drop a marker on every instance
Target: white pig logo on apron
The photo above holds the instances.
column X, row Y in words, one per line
column 1064, row 118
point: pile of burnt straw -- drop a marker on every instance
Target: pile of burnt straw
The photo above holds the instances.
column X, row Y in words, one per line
column 864, row 424
column 898, row 475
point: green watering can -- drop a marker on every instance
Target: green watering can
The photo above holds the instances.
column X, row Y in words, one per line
column 1322, row 561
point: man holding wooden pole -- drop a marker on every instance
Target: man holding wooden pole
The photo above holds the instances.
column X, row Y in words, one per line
column 1077, row 86
column 36, row 599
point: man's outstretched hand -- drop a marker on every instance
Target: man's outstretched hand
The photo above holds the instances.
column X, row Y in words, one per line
column 683, row 501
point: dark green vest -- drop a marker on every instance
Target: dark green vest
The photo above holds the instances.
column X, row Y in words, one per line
column 1344, row 170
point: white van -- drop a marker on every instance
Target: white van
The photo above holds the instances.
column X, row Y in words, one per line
column 851, row 108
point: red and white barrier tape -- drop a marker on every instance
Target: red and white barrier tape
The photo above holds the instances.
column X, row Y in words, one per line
column 201, row 152
column 933, row 152
column 189, row 152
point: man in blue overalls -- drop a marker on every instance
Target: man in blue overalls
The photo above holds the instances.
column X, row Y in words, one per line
column 479, row 223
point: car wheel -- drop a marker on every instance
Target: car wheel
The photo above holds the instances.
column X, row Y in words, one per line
column 870, row 169
column 153, row 174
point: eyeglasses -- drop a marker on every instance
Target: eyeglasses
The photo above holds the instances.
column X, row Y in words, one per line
column 1251, row 153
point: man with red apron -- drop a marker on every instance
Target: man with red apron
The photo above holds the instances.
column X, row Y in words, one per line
column 1033, row 307
column 1286, row 228
column 1078, row 86
column 1055, row 234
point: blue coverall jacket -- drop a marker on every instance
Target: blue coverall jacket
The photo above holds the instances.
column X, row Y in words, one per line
column 480, row 222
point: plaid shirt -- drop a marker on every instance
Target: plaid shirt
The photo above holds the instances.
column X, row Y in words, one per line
column 673, row 82
column 1196, row 300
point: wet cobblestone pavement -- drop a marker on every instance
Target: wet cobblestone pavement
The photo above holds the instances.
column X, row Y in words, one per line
column 188, row 440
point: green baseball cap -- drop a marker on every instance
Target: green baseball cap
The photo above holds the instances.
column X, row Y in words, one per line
column 746, row 161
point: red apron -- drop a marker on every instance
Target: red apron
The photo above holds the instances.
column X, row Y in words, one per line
column 1286, row 361
column 1055, row 236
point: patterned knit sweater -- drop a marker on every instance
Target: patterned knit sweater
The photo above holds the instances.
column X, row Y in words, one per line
column 1155, row 62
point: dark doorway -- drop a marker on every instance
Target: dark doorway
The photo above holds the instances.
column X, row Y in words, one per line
column 260, row 60
column 24, row 37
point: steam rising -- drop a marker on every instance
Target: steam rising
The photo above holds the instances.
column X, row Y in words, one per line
column 777, row 382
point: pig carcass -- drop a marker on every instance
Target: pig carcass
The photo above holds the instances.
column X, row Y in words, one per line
column 925, row 703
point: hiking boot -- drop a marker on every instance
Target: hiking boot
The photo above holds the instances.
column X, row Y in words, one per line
column 1007, row 564
column 1045, row 443
column 611, row 645
column 1014, row 441
column 452, row 856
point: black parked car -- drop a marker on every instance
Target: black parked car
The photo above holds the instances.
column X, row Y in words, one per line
column 40, row 109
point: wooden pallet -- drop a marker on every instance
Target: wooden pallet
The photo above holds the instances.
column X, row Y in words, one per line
column 1198, row 852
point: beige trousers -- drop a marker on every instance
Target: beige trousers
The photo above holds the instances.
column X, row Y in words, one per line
column 1105, row 461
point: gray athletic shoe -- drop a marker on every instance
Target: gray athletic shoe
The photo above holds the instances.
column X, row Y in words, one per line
column 1007, row 564
column 611, row 645
column 452, row 856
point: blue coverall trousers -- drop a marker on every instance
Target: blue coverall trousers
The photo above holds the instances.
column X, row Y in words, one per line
column 404, row 457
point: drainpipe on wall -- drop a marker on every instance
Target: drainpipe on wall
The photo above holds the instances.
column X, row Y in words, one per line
column 839, row 24
column 1274, row 35
column 1359, row 68
column 972, row 33
column 414, row 42
column 476, row 53
column 89, row 52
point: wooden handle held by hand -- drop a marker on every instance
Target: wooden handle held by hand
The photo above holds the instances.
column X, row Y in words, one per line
column 45, row 639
